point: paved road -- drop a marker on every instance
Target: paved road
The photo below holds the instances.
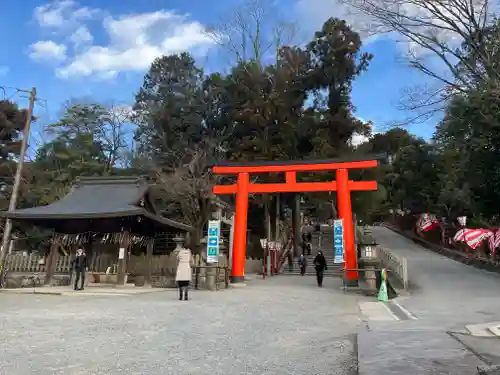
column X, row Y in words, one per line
column 283, row 325
column 446, row 293
column 446, row 296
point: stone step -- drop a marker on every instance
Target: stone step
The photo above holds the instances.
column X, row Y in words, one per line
column 336, row 273
column 483, row 329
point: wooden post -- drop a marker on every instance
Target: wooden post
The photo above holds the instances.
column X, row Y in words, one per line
column 231, row 241
column 122, row 257
column 50, row 266
column 149, row 262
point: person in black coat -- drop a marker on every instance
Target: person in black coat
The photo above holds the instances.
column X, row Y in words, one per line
column 79, row 266
column 309, row 243
column 320, row 266
column 302, row 264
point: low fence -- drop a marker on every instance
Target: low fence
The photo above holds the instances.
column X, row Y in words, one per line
column 103, row 267
column 398, row 266
column 36, row 263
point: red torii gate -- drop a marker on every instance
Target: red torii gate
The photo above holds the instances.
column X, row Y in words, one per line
column 342, row 185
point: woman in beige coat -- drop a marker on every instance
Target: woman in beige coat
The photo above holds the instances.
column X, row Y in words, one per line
column 183, row 275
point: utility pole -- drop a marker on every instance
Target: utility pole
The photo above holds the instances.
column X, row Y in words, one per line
column 17, row 180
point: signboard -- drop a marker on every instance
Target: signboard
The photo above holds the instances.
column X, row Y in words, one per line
column 338, row 240
column 213, row 238
column 263, row 242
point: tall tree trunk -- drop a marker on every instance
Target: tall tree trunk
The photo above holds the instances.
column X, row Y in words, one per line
column 277, row 219
column 296, row 225
column 195, row 239
column 267, row 215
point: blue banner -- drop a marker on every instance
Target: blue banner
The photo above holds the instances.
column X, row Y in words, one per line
column 338, row 240
column 213, row 241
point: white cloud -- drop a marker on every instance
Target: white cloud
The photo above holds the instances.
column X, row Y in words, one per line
column 135, row 41
column 313, row 13
column 48, row 51
column 81, row 36
column 357, row 139
column 62, row 14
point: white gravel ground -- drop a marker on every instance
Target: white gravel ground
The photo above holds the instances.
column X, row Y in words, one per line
column 283, row 325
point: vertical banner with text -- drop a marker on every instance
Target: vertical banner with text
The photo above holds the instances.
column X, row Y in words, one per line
column 338, row 240
column 213, row 241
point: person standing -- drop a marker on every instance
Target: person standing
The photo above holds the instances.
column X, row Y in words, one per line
column 304, row 242
column 320, row 266
column 79, row 266
column 302, row 264
column 309, row 243
column 183, row 275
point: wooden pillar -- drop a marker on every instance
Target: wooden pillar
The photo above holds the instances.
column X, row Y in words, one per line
column 149, row 262
column 122, row 257
column 240, row 229
column 345, row 212
column 231, row 241
column 50, row 266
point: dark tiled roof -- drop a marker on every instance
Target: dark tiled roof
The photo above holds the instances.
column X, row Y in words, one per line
column 97, row 198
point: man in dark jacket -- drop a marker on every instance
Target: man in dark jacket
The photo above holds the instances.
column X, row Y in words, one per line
column 79, row 267
column 302, row 264
column 320, row 266
column 309, row 243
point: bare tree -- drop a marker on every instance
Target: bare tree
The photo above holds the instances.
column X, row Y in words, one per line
column 109, row 124
column 251, row 31
column 446, row 31
column 187, row 186
column 114, row 129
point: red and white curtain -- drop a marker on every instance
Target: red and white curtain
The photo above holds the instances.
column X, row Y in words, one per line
column 428, row 222
column 472, row 237
column 494, row 241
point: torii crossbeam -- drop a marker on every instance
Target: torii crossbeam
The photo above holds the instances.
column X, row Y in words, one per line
column 342, row 185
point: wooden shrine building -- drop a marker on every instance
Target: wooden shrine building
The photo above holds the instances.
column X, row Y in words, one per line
column 122, row 206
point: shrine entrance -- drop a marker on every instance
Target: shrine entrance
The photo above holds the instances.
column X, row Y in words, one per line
column 342, row 185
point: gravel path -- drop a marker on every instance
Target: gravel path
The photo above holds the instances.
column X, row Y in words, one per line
column 283, row 325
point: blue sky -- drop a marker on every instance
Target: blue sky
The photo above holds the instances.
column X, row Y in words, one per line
column 101, row 49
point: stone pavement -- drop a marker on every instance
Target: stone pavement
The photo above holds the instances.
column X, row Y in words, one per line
column 446, row 297
column 446, row 294
column 283, row 325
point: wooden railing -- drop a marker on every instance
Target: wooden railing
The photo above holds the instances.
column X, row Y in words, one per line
column 98, row 263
